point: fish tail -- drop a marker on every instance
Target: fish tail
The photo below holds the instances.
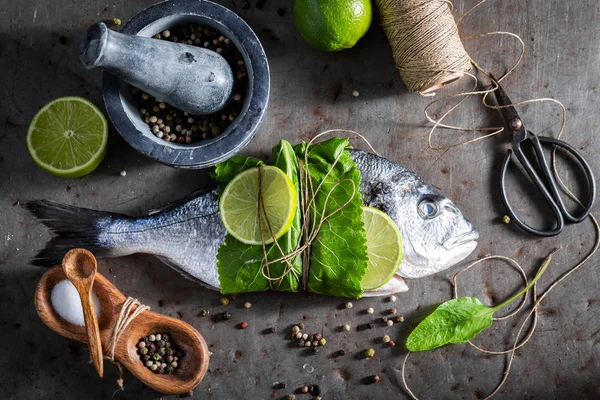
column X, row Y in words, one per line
column 74, row 228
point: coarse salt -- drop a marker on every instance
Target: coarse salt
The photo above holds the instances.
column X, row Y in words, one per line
column 67, row 304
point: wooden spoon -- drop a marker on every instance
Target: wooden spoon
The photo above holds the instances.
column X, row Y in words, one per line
column 79, row 265
column 192, row 366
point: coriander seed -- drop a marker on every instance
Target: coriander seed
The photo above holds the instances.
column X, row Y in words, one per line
column 248, row 304
column 370, row 310
column 348, row 305
column 393, row 298
column 390, row 322
column 346, row 328
column 386, row 339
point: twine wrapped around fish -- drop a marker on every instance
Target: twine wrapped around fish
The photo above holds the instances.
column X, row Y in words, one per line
column 311, row 221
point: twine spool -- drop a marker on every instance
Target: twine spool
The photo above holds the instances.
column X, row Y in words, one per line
column 425, row 42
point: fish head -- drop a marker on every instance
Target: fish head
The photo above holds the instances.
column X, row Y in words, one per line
column 435, row 233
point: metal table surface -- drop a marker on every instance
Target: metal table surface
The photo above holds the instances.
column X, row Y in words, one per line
column 312, row 91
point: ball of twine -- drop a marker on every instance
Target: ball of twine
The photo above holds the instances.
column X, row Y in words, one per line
column 425, row 42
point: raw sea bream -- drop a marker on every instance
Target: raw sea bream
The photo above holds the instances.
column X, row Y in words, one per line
column 187, row 234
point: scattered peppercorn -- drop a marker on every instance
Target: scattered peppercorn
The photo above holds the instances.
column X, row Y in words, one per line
column 204, row 313
column 248, row 304
column 295, row 329
column 322, row 341
column 117, row 21
column 399, row 318
column 348, row 305
column 304, row 389
column 370, row 352
column 282, row 385
column 393, row 298
column 355, row 93
column 314, row 390
column 370, row 310
column 371, row 325
column 173, row 125
column 386, row 339
column 346, row 327
column 384, row 319
column 316, row 349
column 123, row 173
column 244, row 325
column 224, row 301
column 317, row 336
column 281, row 12
column 391, row 311
column 301, row 325
column 342, row 353
column 291, row 397
column 506, row 219
column 226, row 315
column 273, row 330
column 374, row 379
column 390, row 322
column 391, row 343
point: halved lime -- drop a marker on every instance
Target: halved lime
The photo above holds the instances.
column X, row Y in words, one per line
column 68, row 136
column 384, row 248
column 239, row 205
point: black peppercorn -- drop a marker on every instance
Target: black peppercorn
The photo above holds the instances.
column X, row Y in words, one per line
column 165, row 337
column 374, row 379
column 169, row 369
column 342, row 353
column 226, row 315
column 316, row 349
column 371, row 325
column 273, row 330
column 314, row 390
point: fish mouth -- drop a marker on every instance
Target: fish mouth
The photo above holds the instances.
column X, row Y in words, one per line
column 460, row 240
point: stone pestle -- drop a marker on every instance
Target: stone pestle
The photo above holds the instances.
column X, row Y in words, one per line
column 193, row 79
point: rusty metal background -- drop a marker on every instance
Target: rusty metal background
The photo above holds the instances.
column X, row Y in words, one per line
column 312, row 91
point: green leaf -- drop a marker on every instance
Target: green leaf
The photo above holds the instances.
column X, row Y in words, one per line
column 239, row 264
column 224, row 172
column 338, row 256
column 454, row 321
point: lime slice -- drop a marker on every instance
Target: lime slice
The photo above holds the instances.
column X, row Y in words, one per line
column 384, row 248
column 239, row 205
column 67, row 137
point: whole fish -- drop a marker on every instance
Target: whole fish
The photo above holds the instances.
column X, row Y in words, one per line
column 187, row 234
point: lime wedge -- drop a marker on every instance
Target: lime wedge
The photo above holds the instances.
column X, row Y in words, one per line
column 239, row 205
column 67, row 137
column 384, row 248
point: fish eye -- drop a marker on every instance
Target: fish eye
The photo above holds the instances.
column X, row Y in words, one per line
column 427, row 209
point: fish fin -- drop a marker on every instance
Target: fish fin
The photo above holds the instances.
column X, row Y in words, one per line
column 395, row 285
column 185, row 274
column 74, row 228
column 174, row 204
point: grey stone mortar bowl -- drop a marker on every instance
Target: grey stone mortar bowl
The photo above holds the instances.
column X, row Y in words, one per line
column 122, row 108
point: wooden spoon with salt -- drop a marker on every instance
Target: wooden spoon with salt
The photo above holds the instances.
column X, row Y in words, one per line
column 79, row 265
column 192, row 366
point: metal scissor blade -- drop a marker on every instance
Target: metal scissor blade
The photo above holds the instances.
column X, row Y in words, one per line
column 509, row 113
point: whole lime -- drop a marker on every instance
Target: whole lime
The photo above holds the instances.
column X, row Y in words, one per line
column 332, row 25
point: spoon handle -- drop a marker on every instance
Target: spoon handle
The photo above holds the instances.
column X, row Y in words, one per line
column 92, row 329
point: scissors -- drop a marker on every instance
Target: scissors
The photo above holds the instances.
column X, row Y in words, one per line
column 546, row 184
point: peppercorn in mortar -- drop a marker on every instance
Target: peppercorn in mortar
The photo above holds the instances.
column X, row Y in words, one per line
column 173, row 125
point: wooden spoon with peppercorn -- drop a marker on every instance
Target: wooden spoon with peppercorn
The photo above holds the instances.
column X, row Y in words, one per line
column 192, row 365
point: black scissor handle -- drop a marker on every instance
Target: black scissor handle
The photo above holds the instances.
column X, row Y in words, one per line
column 589, row 175
column 560, row 222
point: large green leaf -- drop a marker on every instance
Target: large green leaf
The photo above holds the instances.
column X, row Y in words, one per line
column 338, row 255
column 239, row 264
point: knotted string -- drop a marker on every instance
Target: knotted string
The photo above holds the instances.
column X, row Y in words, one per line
column 311, row 220
column 128, row 313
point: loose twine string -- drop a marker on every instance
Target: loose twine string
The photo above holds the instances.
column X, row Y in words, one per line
column 129, row 311
column 405, row 26
column 312, row 221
